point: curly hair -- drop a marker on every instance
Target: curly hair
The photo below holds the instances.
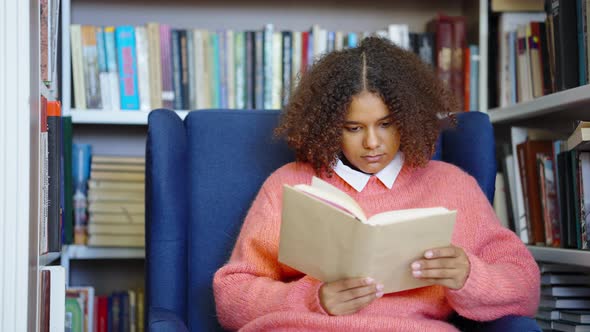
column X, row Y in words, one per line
column 313, row 119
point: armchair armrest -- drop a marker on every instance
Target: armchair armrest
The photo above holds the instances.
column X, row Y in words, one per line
column 164, row 320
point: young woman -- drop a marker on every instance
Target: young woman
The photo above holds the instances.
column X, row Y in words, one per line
column 366, row 120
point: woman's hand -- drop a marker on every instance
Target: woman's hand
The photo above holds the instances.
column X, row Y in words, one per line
column 345, row 297
column 447, row 266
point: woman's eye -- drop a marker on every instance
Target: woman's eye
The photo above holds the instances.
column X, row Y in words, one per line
column 353, row 129
column 385, row 124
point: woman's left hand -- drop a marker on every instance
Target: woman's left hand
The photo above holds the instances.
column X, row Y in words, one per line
column 446, row 266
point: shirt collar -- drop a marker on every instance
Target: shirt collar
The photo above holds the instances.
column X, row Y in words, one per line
column 358, row 180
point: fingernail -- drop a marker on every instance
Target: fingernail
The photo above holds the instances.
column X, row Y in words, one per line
column 417, row 273
column 369, row 281
column 415, row 265
column 379, row 294
column 379, row 287
column 429, row 254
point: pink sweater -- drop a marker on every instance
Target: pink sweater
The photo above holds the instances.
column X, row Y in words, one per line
column 254, row 292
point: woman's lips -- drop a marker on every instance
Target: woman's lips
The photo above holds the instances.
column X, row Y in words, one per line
column 373, row 159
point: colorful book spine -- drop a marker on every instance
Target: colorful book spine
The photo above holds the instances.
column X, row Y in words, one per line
column 54, row 132
column 125, row 38
column 268, row 66
column 176, row 69
column 143, row 71
column 112, row 68
column 91, row 73
column 81, row 154
column 240, row 69
column 166, row 63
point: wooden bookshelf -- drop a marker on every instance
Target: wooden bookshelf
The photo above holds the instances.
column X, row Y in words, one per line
column 562, row 106
column 113, row 117
column 561, row 256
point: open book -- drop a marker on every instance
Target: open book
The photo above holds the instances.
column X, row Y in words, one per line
column 326, row 234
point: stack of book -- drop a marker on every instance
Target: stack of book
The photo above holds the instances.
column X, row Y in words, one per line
column 116, row 202
column 565, row 298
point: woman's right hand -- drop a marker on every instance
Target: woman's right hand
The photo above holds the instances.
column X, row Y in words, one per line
column 345, row 297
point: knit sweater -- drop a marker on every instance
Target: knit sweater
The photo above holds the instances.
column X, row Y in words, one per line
column 254, row 292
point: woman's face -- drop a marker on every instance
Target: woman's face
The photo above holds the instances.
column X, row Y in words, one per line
column 370, row 140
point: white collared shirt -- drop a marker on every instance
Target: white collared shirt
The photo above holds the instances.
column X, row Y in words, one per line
column 358, row 180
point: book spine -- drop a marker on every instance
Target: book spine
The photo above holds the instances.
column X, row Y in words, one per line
column 287, row 37
column 222, row 42
column 155, row 69
column 201, row 72
column 103, row 70
column 143, row 70
column 214, row 65
column 268, row 66
column 184, row 78
column 176, row 69
column 277, row 70
column 125, row 38
column 192, row 78
column 44, row 176
column 259, row 70
column 112, row 68
column 54, row 157
column 68, row 193
column 231, row 69
column 250, row 79
column 90, row 59
column 581, row 18
column 81, row 154
column 240, row 69
column 166, row 65
column 78, row 66
column 474, row 78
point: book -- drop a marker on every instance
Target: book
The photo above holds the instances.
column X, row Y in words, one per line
column 580, row 138
column 569, row 327
column 116, row 229
column 116, row 240
column 517, row 6
column 547, row 314
column 564, row 279
column 54, row 147
column 57, row 298
column 582, row 317
column 326, row 234
column 564, row 303
column 565, row 291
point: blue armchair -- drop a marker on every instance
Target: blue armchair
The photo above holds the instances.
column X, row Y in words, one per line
column 201, row 177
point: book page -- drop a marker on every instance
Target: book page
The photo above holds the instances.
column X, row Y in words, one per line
column 391, row 217
column 327, row 192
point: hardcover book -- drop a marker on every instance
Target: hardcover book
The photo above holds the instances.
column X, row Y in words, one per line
column 326, row 234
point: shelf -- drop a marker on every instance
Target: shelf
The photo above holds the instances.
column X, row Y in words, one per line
column 572, row 104
column 48, row 258
column 561, row 256
column 84, row 252
column 94, row 116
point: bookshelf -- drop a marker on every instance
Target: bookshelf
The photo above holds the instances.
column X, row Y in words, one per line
column 568, row 105
column 21, row 90
column 561, row 256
